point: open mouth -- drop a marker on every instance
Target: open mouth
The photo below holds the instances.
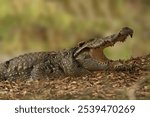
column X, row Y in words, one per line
column 109, row 41
column 98, row 54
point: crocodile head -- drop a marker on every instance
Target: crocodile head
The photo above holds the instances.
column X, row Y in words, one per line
column 98, row 44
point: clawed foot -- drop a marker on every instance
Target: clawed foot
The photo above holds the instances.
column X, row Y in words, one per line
column 124, row 68
column 120, row 66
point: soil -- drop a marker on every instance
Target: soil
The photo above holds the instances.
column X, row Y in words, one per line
column 127, row 84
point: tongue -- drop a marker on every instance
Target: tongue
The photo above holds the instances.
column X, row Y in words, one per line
column 97, row 53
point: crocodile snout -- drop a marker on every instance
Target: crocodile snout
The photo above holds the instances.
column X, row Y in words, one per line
column 126, row 31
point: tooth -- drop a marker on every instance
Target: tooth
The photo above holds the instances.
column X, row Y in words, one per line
column 131, row 34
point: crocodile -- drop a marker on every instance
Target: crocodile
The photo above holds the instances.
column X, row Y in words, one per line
column 85, row 57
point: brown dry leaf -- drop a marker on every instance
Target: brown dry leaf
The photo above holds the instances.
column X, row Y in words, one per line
column 127, row 84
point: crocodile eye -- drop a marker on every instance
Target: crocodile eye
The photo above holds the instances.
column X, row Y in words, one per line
column 66, row 53
column 7, row 63
column 81, row 43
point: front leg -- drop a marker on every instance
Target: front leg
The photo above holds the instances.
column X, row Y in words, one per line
column 46, row 70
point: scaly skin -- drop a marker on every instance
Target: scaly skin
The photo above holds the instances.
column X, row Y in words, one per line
column 80, row 60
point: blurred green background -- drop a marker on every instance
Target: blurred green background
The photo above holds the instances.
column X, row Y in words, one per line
column 43, row 25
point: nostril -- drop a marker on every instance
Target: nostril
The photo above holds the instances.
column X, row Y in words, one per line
column 126, row 31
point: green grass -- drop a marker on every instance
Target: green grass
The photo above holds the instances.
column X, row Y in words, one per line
column 50, row 25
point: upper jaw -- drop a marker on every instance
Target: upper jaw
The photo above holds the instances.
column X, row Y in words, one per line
column 108, row 41
column 120, row 37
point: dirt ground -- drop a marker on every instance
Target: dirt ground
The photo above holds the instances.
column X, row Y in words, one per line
column 129, row 84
